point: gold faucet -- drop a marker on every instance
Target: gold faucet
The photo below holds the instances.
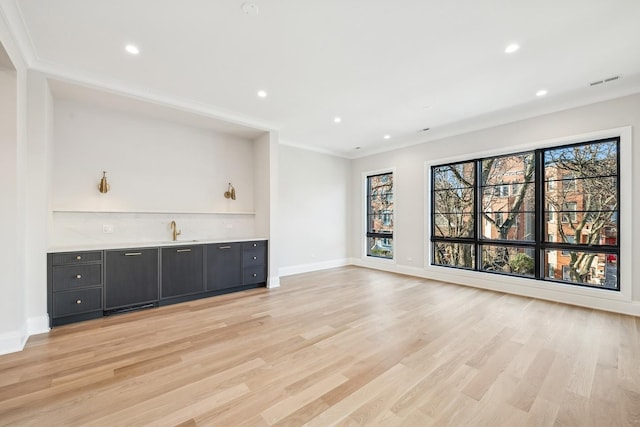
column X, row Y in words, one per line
column 175, row 231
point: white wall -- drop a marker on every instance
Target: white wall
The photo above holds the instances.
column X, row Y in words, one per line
column 158, row 171
column 152, row 165
column 11, row 313
column 410, row 237
column 266, row 191
column 313, row 210
column 16, row 267
column 35, row 188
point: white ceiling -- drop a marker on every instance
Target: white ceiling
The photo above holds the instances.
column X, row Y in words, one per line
column 384, row 67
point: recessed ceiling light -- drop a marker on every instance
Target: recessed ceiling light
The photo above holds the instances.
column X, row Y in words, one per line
column 337, row 119
column 541, row 92
column 512, row 48
column 387, row 136
column 132, row 49
column 250, row 8
column 262, row 94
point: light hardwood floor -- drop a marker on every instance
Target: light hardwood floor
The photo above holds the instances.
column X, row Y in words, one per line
column 346, row 346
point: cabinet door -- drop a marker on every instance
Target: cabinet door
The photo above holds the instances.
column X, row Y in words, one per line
column 224, row 266
column 131, row 277
column 182, row 271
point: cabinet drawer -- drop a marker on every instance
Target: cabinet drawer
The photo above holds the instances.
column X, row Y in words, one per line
column 254, row 244
column 225, row 247
column 76, row 276
column 78, row 301
column 253, row 257
column 76, row 257
column 256, row 274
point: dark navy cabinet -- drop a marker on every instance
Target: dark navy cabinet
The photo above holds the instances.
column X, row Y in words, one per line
column 75, row 286
column 224, row 266
column 87, row 284
column 131, row 278
column 182, row 271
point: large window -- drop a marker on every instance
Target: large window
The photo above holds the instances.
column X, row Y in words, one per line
column 548, row 214
column 380, row 215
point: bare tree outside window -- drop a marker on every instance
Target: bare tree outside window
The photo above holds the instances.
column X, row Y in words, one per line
column 588, row 202
column 453, row 213
column 578, row 205
column 380, row 215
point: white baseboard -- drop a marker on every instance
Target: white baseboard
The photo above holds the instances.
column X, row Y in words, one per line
column 38, row 325
column 13, row 341
column 307, row 268
column 598, row 299
column 273, row 282
column 392, row 267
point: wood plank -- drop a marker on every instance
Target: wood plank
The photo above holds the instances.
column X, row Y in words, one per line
column 345, row 346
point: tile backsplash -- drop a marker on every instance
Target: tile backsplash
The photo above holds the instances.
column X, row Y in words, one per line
column 93, row 228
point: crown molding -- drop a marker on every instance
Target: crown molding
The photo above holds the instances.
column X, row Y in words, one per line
column 510, row 115
column 10, row 14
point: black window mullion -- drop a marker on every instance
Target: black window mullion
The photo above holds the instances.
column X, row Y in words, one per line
column 432, row 202
column 540, row 214
column 477, row 229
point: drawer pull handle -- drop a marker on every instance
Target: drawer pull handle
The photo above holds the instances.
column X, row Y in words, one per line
column 78, row 276
column 255, row 275
column 224, row 247
column 255, row 244
column 183, row 250
column 255, row 257
column 79, row 257
column 78, row 301
column 133, row 253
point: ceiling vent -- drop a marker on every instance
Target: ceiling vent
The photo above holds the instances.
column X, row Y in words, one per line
column 607, row 80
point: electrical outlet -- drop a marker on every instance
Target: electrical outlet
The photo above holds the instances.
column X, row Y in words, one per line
column 107, row 228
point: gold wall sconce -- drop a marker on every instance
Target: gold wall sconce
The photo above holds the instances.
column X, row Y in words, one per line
column 230, row 193
column 104, row 186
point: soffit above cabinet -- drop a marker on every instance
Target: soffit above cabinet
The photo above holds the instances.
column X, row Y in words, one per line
column 150, row 108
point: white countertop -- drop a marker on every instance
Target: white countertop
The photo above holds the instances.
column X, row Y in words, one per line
column 134, row 245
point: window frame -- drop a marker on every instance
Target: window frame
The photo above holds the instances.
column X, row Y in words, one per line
column 385, row 236
column 542, row 186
